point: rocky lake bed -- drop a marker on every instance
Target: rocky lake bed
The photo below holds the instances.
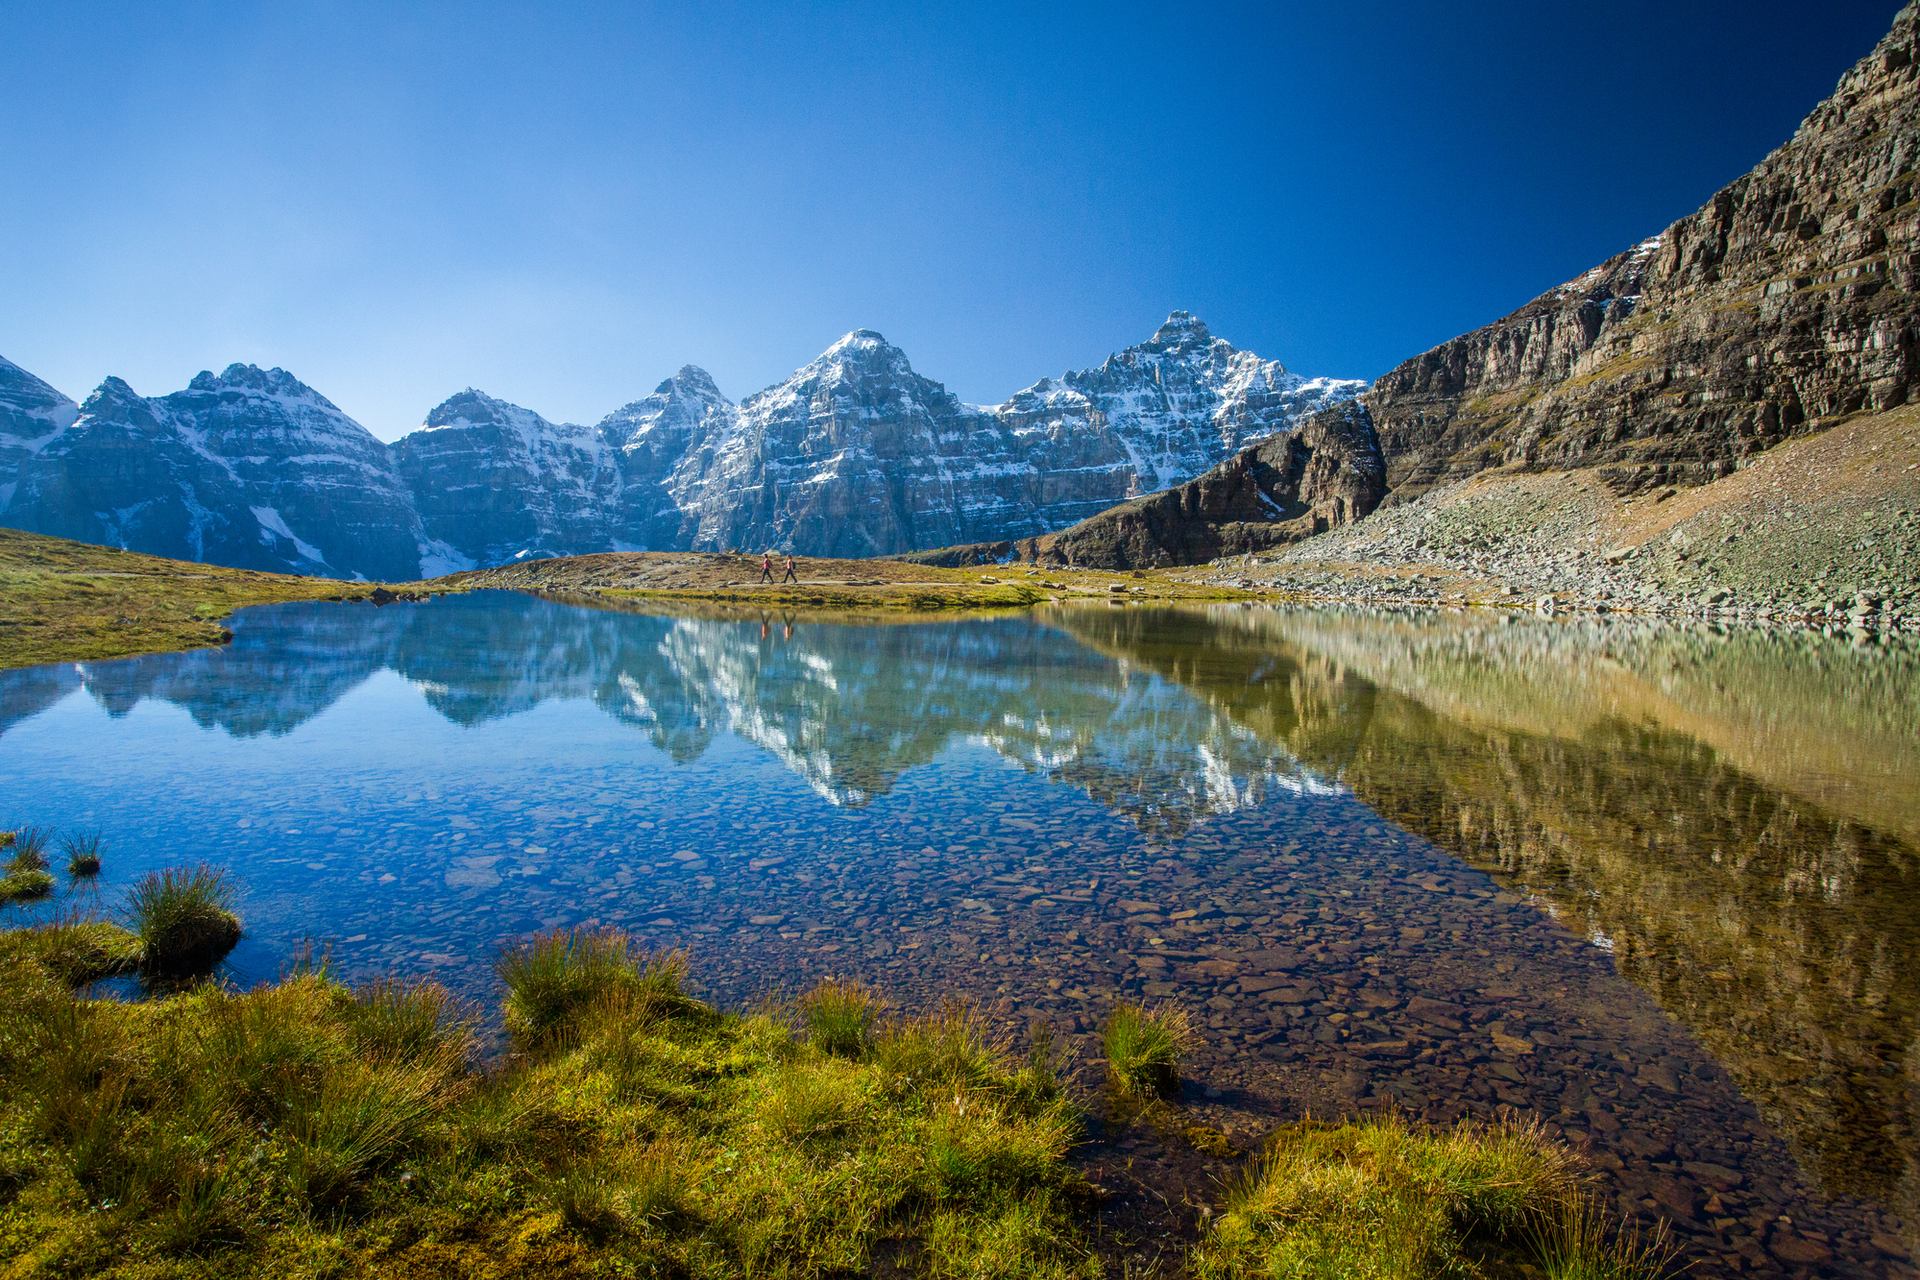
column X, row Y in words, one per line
column 1651, row 884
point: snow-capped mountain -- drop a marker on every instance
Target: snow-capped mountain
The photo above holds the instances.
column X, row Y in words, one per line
column 493, row 482
column 31, row 415
column 854, row 454
column 251, row 468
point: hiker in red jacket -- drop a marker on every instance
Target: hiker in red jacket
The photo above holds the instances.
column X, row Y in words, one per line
column 766, row 567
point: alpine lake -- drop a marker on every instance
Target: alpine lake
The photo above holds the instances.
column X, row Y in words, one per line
column 1657, row 885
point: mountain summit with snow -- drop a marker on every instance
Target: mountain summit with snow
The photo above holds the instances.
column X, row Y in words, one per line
column 854, row 454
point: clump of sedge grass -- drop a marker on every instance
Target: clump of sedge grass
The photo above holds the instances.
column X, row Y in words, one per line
column 77, row 951
column 24, row 875
column 22, row 886
column 1585, row 1242
column 83, row 855
column 554, row 979
column 29, row 846
column 355, row 1125
column 839, row 1016
column 410, row 1023
column 1144, row 1047
column 1381, row 1198
column 185, row 920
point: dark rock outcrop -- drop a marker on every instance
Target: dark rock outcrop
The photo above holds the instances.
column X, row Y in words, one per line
column 1783, row 305
column 1328, row 472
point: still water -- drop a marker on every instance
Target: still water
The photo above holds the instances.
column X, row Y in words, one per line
column 1659, row 886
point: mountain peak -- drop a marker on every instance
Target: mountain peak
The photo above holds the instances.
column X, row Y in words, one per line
column 690, row 379
column 1181, row 328
column 862, row 339
column 863, row 351
column 21, row 393
column 112, row 391
column 251, row 377
column 464, row 406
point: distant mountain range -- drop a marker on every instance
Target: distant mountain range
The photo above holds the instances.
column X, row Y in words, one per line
column 854, row 454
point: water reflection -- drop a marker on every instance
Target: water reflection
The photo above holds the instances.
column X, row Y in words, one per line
column 1732, row 818
column 1731, row 815
column 848, row 708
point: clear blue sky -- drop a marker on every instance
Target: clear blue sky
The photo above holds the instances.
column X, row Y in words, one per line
column 395, row 201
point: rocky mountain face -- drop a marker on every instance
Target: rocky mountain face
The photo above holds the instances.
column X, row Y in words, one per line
column 1783, row 305
column 854, row 454
column 857, row 454
column 31, row 415
column 1781, row 308
column 250, row 468
column 1327, row 472
column 493, row 482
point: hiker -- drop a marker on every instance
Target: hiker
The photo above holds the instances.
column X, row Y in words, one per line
column 790, row 574
column 766, row 567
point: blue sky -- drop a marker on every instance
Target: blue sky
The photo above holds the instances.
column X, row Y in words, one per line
column 396, row 201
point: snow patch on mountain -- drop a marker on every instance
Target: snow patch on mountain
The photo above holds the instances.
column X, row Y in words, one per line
column 854, row 454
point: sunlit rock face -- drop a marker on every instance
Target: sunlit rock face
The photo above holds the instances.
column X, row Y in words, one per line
column 249, row 467
column 1785, row 304
column 854, row 454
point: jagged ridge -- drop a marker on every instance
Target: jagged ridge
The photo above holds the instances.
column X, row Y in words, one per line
column 854, row 454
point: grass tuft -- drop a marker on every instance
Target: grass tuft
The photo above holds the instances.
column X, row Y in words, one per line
column 185, row 920
column 77, row 951
column 1585, row 1242
column 411, row 1023
column 24, row 886
column 1144, row 1047
column 1378, row 1199
column 839, row 1017
column 83, row 855
column 555, row 979
column 30, row 849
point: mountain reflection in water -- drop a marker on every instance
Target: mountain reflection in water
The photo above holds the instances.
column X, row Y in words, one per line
column 1732, row 816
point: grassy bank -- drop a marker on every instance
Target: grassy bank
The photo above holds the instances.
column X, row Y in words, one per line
column 70, row 601
column 66, row 601
column 306, row 1129
column 730, row 584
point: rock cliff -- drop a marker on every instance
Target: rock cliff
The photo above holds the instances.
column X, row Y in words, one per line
column 1784, row 305
column 1328, row 472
